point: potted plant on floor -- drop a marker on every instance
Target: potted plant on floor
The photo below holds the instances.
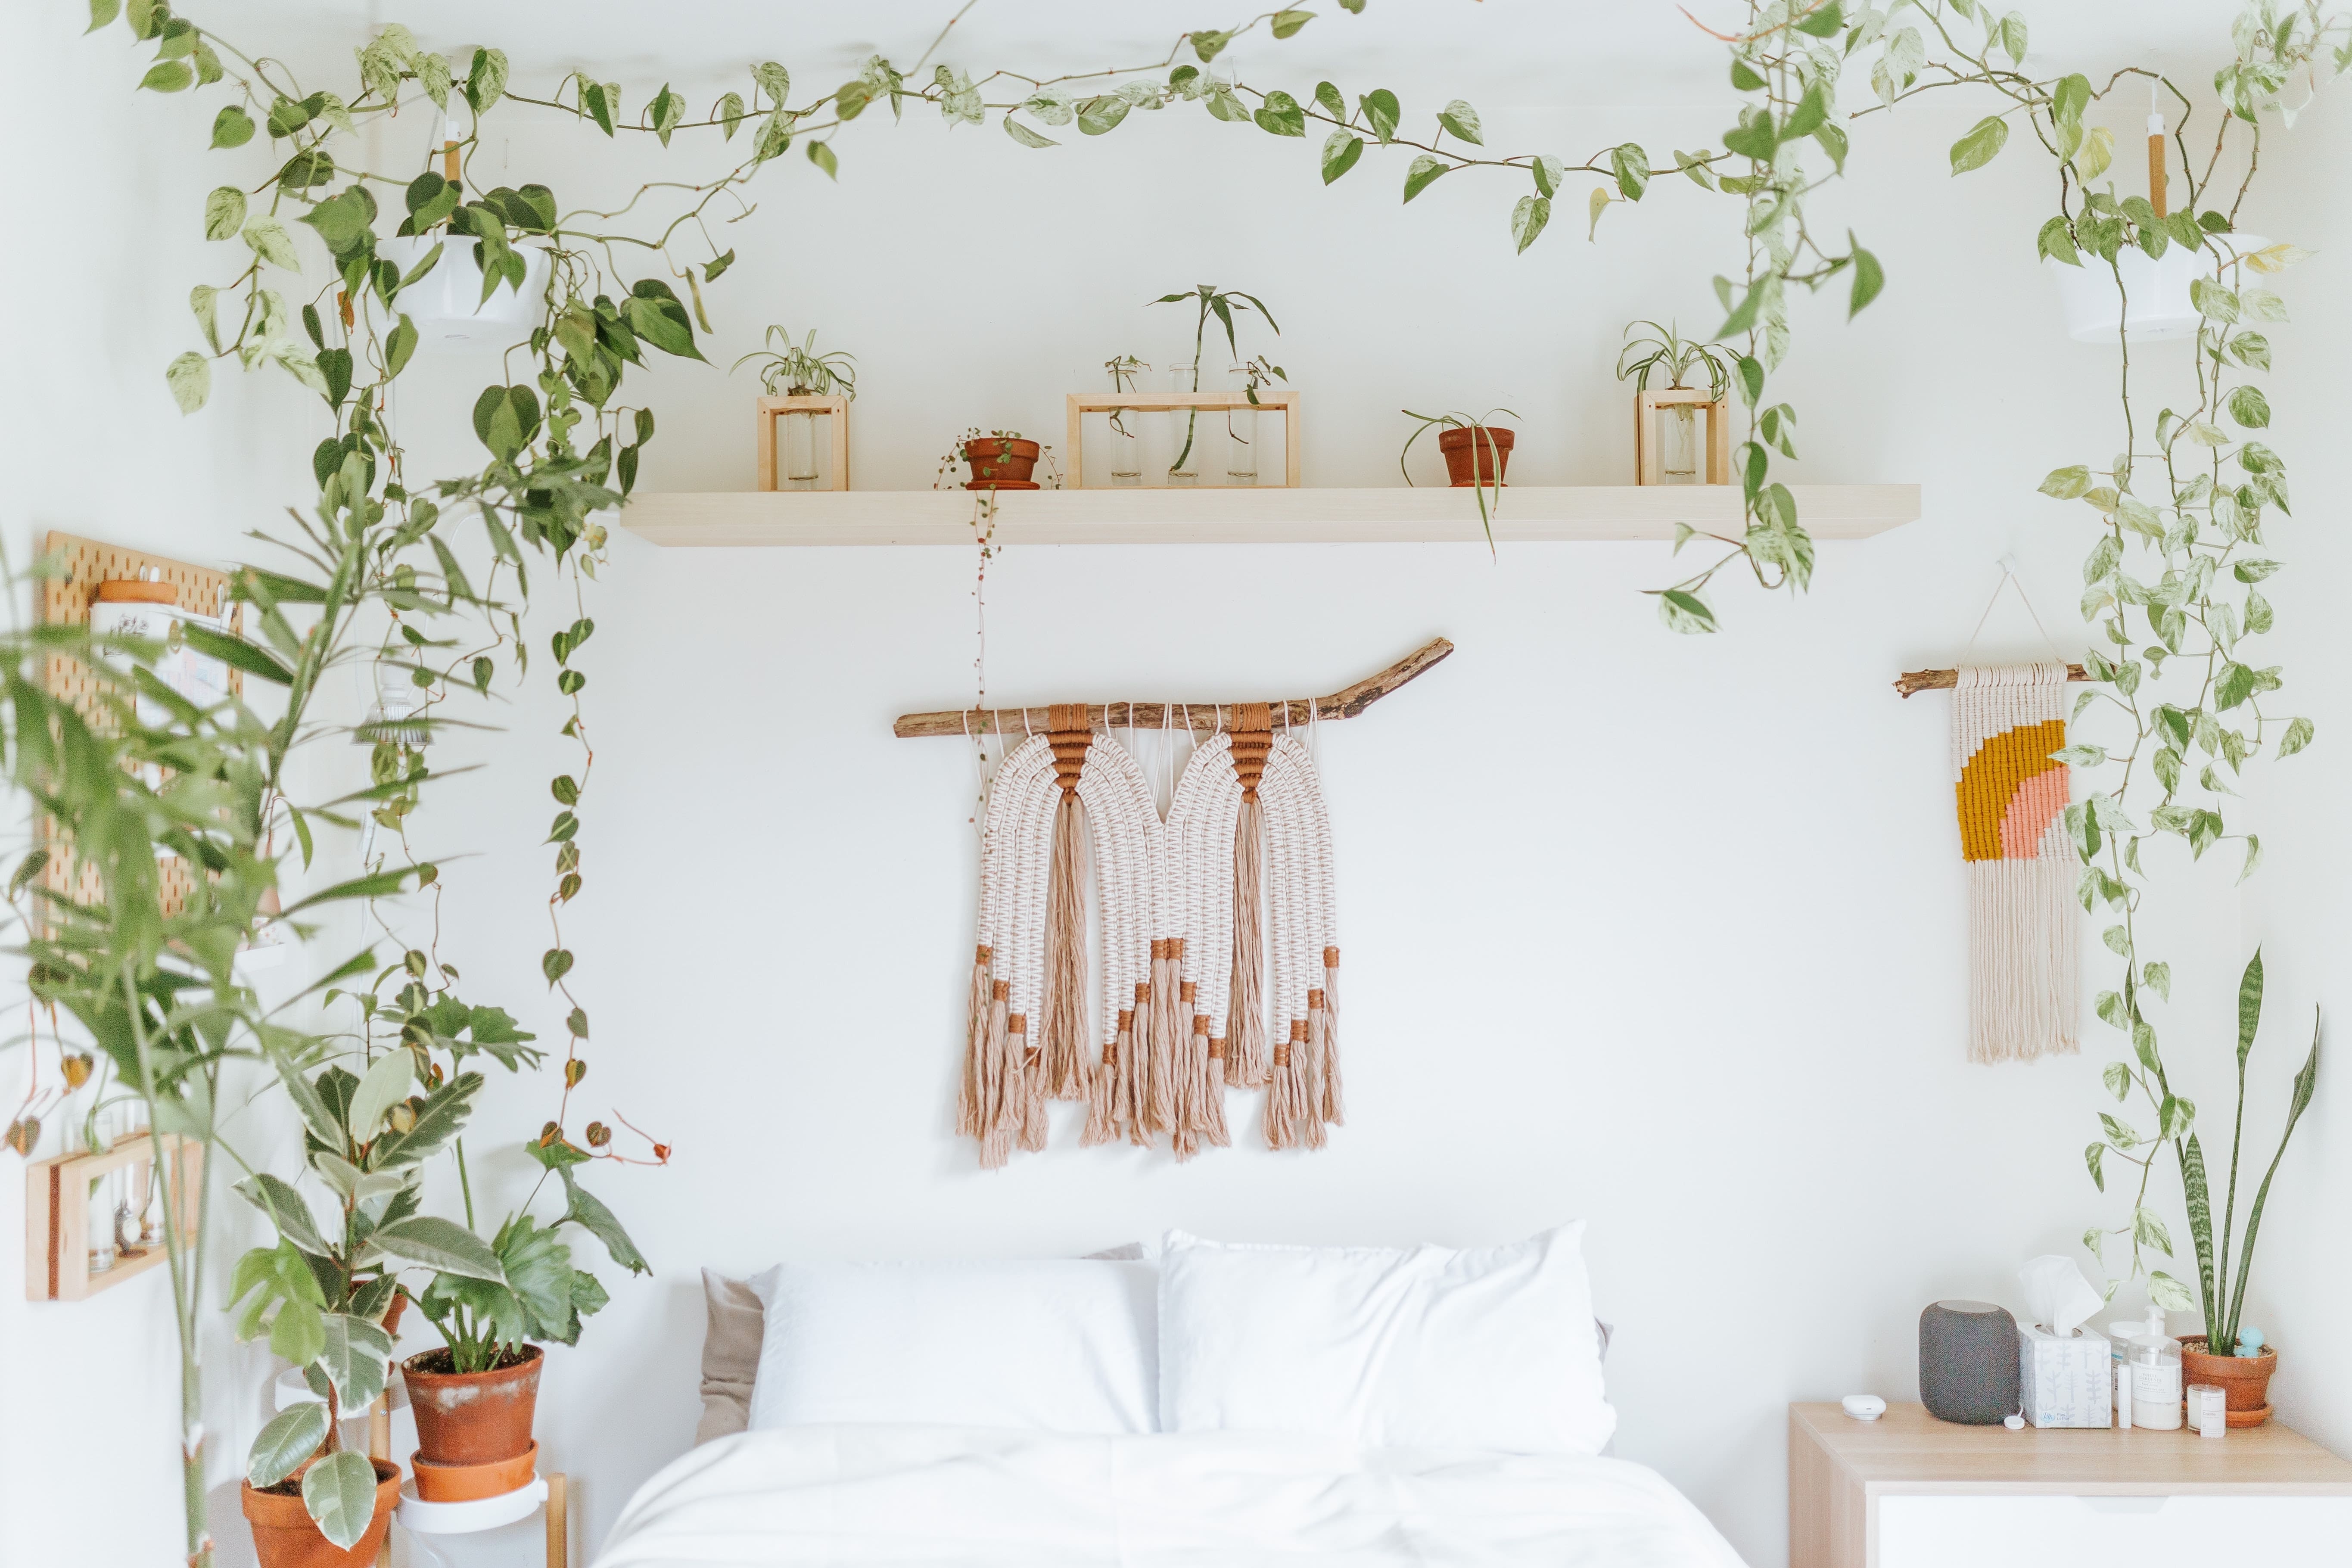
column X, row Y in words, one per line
column 1477, row 453
column 474, row 1398
column 325, row 1303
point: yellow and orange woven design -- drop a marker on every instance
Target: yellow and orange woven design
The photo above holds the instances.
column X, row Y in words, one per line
column 2011, row 794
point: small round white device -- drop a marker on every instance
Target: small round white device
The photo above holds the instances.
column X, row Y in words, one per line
column 1864, row 1406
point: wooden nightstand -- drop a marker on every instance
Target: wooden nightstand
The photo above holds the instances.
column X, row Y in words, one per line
column 1910, row 1491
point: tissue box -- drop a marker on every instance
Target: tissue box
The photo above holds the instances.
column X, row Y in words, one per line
column 2066, row 1381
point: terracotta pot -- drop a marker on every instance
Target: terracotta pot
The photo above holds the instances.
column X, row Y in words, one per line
column 284, row 1535
column 1001, row 458
column 464, row 1483
column 472, row 1417
column 1475, row 457
column 2245, row 1380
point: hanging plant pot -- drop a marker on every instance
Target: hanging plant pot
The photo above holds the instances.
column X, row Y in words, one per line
column 999, row 461
column 446, row 303
column 286, row 1536
column 472, row 1417
column 1475, row 457
column 2245, row 1380
column 2156, row 291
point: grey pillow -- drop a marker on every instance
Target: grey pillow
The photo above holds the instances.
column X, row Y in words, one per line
column 730, row 1346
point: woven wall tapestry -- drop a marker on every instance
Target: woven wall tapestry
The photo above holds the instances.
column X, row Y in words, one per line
column 1217, row 945
column 2013, row 795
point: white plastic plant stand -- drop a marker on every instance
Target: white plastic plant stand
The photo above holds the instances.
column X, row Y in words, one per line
column 423, row 1520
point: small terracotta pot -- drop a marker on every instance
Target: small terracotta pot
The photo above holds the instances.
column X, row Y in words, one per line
column 464, row 1483
column 1477, row 457
column 2245, row 1381
column 1001, row 458
column 472, row 1417
column 285, row 1536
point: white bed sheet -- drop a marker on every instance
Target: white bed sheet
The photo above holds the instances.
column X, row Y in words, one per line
column 866, row 1496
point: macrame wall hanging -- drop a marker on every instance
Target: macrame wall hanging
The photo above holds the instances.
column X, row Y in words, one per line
column 1218, row 938
column 2012, row 793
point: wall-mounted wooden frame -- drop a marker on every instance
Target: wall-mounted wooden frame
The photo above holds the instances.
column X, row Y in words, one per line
column 771, row 411
column 1083, row 403
column 56, row 1215
column 1649, row 460
column 65, row 599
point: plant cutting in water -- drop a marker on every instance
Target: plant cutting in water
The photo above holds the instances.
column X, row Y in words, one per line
column 797, row 370
column 1221, row 303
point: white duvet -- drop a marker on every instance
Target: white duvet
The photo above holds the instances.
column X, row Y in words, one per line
column 860, row 1496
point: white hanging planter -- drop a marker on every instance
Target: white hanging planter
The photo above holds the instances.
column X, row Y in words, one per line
column 446, row 303
column 2157, row 290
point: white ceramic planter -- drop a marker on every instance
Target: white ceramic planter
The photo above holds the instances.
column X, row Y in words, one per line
column 2156, row 291
column 446, row 303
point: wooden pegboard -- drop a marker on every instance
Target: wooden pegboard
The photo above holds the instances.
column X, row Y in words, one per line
column 65, row 599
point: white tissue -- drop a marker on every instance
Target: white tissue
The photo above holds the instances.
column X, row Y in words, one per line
column 2057, row 1296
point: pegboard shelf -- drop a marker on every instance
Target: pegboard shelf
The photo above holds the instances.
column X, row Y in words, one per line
column 1265, row 515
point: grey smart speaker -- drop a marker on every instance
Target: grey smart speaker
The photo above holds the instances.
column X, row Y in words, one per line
column 1968, row 1363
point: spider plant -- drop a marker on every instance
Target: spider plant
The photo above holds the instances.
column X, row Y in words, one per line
column 1667, row 350
column 1454, row 419
column 797, row 370
column 1221, row 303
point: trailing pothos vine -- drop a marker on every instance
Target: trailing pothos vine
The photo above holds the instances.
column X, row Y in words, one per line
column 383, row 552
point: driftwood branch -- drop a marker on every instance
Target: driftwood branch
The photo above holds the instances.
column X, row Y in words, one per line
column 1945, row 680
column 1206, row 717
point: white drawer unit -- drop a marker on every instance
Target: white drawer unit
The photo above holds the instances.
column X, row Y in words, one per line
column 1918, row 1530
column 1910, row 1491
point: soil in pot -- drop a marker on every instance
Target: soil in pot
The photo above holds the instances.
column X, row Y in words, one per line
column 284, row 1535
column 1001, row 458
column 472, row 1417
column 2245, row 1380
column 1479, row 456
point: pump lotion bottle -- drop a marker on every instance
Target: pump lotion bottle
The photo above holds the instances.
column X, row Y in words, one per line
column 2156, row 1376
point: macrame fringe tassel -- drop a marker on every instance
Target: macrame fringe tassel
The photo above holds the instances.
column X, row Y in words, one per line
column 996, row 1082
column 1107, row 1095
column 1245, row 1061
column 1136, row 1081
column 1283, row 1109
column 1025, row 1110
column 1209, row 1076
column 2022, row 958
column 1064, row 1037
column 968, row 1093
column 1306, row 1075
column 1334, row 1105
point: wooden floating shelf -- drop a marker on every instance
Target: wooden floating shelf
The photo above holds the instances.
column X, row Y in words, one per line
column 1267, row 515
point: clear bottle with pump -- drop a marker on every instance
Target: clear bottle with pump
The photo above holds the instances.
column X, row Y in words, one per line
column 2156, row 1376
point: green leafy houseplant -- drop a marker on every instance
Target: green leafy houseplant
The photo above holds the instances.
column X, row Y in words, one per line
column 1665, row 352
column 1221, row 303
column 1488, row 463
column 322, row 1294
column 797, row 370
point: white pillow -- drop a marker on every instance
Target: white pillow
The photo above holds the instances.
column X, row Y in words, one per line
column 1061, row 1346
column 1489, row 1348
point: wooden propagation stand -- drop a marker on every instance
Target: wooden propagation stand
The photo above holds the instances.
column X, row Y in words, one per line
column 1084, row 402
column 770, row 410
column 56, row 1215
column 1650, row 461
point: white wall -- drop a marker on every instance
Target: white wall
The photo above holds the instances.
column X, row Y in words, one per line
column 1664, row 933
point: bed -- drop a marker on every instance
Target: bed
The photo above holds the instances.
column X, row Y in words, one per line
column 1202, row 1404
